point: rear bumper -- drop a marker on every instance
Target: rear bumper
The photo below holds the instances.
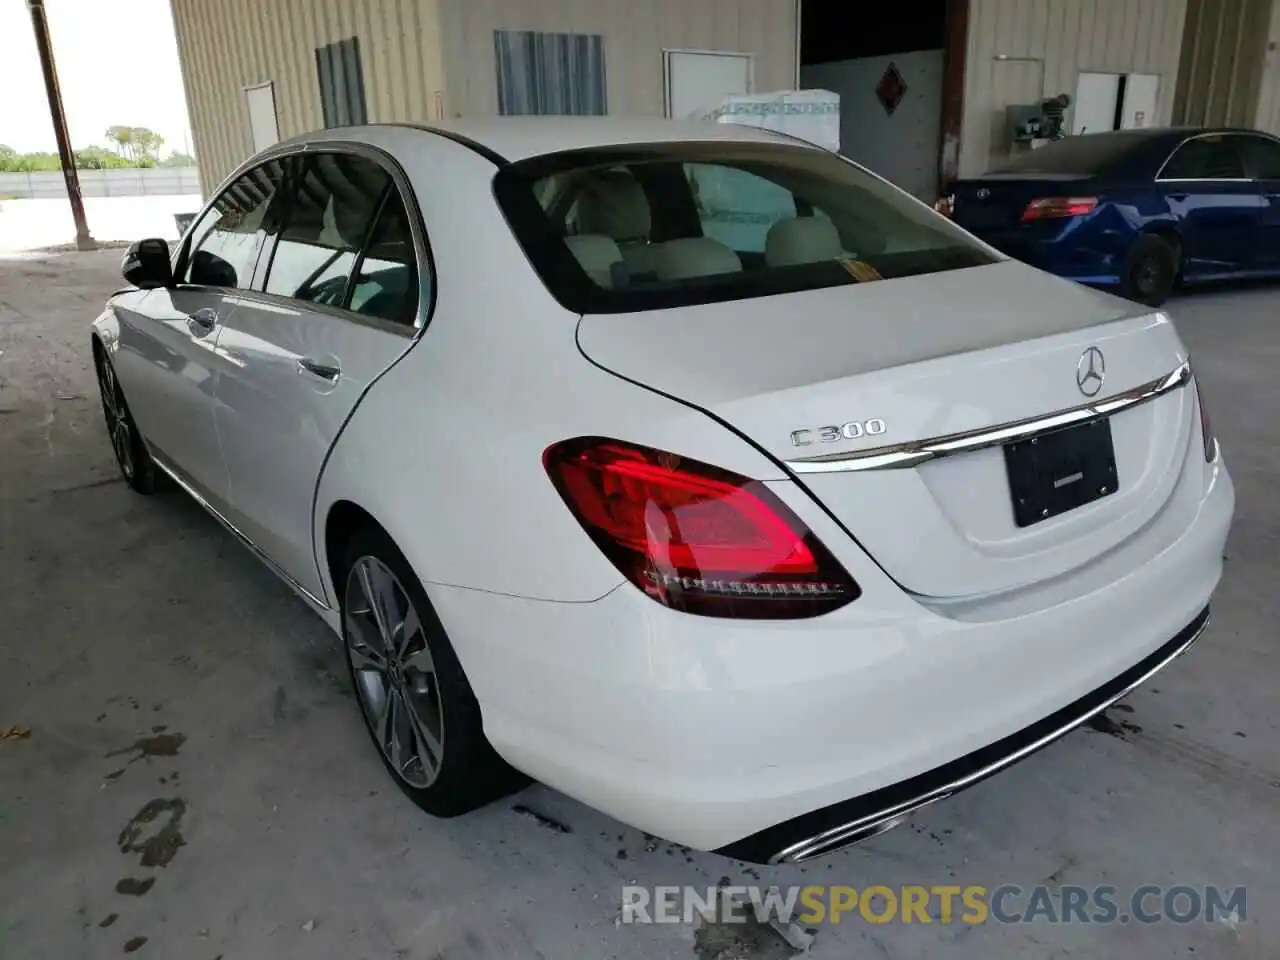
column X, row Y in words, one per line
column 861, row 818
column 751, row 736
column 1068, row 255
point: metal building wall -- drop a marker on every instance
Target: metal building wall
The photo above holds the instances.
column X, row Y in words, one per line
column 227, row 45
column 635, row 34
column 1223, row 51
column 1267, row 116
column 1022, row 50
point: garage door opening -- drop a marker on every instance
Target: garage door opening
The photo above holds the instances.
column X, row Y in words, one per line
column 891, row 69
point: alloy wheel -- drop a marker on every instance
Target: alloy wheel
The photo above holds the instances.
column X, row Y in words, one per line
column 119, row 427
column 396, row 679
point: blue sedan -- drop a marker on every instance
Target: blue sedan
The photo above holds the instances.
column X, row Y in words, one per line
column 1141, row 210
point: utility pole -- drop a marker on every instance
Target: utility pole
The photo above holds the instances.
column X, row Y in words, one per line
column 41, row 27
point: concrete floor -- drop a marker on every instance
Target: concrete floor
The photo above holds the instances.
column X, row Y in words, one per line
column 124, row 618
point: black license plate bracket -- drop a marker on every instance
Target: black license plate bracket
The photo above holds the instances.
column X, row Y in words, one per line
column 1058, row 471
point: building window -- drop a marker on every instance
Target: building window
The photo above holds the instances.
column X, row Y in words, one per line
column 341, row 83
column 550, row 73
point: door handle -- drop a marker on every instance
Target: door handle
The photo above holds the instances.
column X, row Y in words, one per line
column 318, row 368
column 202, row 322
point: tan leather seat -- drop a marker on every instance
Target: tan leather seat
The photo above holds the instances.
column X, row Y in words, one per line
column 691, row 257
column 597, row 255
column 614, row 205
column 801, row 240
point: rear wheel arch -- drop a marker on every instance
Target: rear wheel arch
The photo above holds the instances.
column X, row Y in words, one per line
column 344, row 519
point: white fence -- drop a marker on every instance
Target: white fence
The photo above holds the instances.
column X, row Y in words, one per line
column 149, row 182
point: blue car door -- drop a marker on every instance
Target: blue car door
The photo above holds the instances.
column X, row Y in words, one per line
column 1262, row 162
column 1221, row 209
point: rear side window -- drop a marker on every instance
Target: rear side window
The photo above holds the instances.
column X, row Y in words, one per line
column 344, row 240
column 328, row 218
column 1205, row 158
column 386, row 285
column 637, row 228
column 226, row 241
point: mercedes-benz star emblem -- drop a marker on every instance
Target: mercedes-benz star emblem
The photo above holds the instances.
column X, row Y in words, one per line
column 1091, row 371
column 983, row 193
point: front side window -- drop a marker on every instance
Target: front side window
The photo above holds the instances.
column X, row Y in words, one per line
column 635, row 228
column 225, row 242
column 1204, row 158
column 327, row 222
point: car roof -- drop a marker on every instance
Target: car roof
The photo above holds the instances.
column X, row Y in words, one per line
column 512, row 139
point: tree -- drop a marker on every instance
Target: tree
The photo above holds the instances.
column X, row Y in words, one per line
column 146, row 144
column 178, row 159
column 122, row 137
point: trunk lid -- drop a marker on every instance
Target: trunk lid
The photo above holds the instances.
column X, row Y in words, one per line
column 927, row 356
column 997, row 201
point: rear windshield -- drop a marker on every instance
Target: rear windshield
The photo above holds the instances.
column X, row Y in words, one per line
column 641, row 228
column 1087, row 155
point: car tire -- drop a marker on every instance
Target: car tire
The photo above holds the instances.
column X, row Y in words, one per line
column 417, row 704
column 132, row 456
column 1150, row 271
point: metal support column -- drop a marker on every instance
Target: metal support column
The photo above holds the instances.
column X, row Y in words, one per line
column 41, row 27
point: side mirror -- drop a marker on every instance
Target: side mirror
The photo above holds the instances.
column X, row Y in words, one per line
column 146, row 264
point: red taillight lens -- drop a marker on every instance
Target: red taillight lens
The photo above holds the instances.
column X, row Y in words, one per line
column 694, row 537
column 1206, row 427
column 1052, row 208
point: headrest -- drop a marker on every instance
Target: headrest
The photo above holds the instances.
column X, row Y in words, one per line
column 695, row 257
column 597, row 256
column 613, row 203
column 801, row 240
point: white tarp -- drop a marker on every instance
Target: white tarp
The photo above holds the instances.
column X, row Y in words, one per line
column 812, row 115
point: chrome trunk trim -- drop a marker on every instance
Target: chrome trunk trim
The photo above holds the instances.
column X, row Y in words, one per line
column 912, row 453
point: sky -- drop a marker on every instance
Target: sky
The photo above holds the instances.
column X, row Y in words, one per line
column 117, row 63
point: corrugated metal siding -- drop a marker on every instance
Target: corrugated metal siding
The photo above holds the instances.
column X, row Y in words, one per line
column 228, row 45
column 1223, row 58
column 1267, row 116
column 1046, row 44
column 635, row 34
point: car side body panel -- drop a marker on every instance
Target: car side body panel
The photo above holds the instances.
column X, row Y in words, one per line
column 446, row 449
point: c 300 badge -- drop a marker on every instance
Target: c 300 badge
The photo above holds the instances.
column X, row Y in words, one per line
column 851, row 430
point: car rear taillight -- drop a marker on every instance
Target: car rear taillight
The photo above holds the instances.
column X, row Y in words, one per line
column 946, row 205
column 1206, row 427
column 1053, row 208
column 694, row 537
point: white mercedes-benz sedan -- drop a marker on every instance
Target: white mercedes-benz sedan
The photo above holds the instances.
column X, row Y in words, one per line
column 690, row 469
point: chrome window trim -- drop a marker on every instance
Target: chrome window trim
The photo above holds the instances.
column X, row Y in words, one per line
column 902, row 455
column 1200, row 136
column 866, row 827
column 427, row 292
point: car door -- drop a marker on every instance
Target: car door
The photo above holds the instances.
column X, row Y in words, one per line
column 1220, row 207
column 336, row 303
column 1262, row 162
column 168, row 358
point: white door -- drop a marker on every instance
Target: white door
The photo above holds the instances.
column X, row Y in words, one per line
column 168, row 362
column 1094, row 109
column 332, row 312
column 261, row 101
column 1140, row 93
column 698, row 81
